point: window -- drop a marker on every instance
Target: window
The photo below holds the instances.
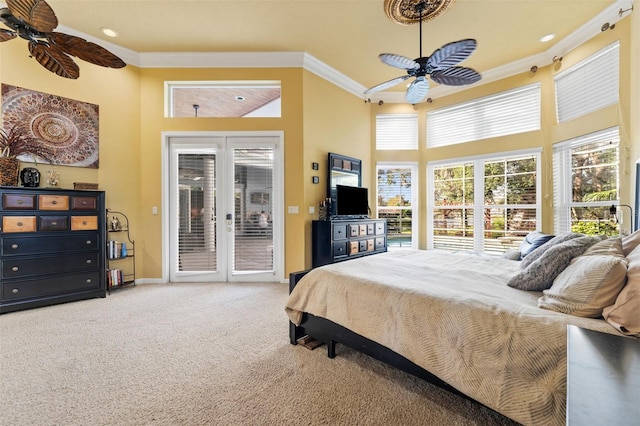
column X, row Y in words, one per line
column 506, row 113
column 483, row 204
column 586, row 183
column 222, row 99
column 396, row 131
column 589, row 85
column 397, row 202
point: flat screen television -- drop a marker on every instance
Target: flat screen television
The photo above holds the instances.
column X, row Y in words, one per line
column 352, row 201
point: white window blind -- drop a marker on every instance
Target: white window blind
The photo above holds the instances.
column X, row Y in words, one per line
column 506, row 113
column 396, row 131
column 589, row 85
column 585, row 181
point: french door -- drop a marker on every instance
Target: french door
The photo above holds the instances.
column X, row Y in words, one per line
column 225, row 216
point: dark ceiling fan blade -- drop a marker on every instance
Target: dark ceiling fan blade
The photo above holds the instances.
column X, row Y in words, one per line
column 35, row 13
column 451, row 54
column 386, row 84
column 417, row 90
column 54, row 59
column 456, row 76
column 399, row 61
column 6, row 35
column 85, row 50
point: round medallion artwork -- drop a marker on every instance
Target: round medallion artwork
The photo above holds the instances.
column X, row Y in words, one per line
column 68, row 127
column 407, row 12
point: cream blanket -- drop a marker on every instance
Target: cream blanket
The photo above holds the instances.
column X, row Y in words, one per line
column 455, row 316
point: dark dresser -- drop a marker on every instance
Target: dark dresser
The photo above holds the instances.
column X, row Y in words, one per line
column 53, row 246
column 338, row 240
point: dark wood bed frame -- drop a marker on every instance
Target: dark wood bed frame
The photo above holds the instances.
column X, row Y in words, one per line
column 331, row 333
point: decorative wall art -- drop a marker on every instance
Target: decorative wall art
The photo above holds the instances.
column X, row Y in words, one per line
column 67, row 127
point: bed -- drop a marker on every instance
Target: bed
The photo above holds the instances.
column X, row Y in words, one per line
column 448, row 317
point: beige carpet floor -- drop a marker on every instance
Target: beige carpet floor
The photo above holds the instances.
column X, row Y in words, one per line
column 200, row 354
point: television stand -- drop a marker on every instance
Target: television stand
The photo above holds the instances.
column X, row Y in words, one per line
column 343, row 238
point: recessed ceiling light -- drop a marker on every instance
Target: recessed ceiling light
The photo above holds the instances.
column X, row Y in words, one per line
column 547, row 38
column 108, row 32
column 239, row 98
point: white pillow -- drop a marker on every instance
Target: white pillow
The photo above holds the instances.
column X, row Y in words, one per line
column 588, row 285
column 625, row 313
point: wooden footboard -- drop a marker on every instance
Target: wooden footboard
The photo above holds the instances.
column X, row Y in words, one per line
column 331, row 333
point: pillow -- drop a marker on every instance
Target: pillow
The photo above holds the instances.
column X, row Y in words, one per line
column 630, row 242
column 624, row 314
column 539, row 275
column 512, row 254
column 532, row 241
column 588, row 285
column 608, row 247
column 558, row 239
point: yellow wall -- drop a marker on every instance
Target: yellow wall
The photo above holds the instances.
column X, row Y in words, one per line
column 334, row 121
column 550, row 132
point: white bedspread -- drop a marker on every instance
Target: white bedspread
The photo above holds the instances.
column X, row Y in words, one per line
column 455, row 316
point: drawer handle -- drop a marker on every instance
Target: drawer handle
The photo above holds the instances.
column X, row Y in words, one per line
column 20, row 201
column 15, row 269
column 88, row 281
column 14, row 290
column 14, row 246
column 84, row 222
column 84, row 203
column 88, row 242
column 19, row 223
column 54, row 223
column 54, row 202
column 88, row 260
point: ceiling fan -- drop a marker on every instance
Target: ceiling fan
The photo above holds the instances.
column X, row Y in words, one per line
column 440, row 66
column 35, row 21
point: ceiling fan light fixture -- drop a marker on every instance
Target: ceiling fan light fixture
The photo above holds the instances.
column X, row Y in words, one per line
column 546, row 38
column 109, row 32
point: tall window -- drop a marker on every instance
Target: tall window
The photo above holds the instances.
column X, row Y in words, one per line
column 586, row 183
column 397, row 202
column 483, row 204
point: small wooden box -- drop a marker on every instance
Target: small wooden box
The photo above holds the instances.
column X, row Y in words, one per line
column 84, row 185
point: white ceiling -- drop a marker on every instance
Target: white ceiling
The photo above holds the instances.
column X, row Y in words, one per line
column 345, row 35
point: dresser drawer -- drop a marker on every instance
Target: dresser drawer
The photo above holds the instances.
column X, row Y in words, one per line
column 54, row 223
column 84, row 203
column 354, row 230
column 17, row 246
column 53, row 202
column 25, row 289
column 18, row 224
column 83, row 223
column 381, row 243
column 339, row 232
column 18, row 201
column 340, row 249
column 380, row 228
column 59, row 264
column 353, row 247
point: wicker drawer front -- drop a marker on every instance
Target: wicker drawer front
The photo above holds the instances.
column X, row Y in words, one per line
column 50, row 286
column 83, row 223
column 84, row 203
column 54, row 223
column 18, row 202
column 19, row 224
column 53, row 202
column 20, row 246
column 20, row 267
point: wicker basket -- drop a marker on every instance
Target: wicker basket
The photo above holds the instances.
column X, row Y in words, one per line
column 9, row 170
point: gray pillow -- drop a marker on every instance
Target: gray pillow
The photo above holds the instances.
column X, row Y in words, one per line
column 539, row 275
column 537, row 253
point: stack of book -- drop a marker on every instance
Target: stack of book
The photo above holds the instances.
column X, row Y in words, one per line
column 115, row 278
column 116, row 249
